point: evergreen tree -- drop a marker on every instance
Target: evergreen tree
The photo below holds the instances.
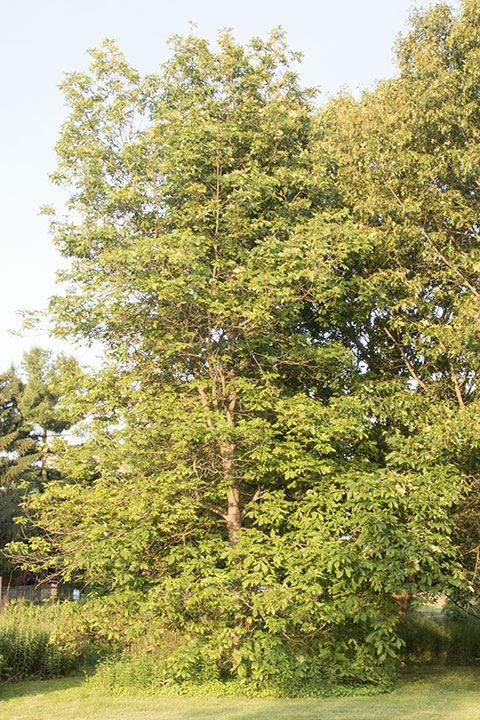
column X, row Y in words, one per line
column 47, row 380
column 18, row 453
column 30, row 419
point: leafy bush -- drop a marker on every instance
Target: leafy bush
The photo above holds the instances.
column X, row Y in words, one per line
column 264, row 667
column 272, row 669
column 27, row 642
column 190, row 672
column 301, row 602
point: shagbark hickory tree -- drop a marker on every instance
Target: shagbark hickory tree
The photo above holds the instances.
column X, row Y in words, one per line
column 240, row 495
column 188, row 259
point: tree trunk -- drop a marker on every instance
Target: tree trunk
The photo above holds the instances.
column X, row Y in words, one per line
column 233, row 516
column 44, row 468
column 402, row 601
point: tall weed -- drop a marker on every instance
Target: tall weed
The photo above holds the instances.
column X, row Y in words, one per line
column 27, row 645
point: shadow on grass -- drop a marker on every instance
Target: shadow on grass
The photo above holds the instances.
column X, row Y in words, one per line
column 10, row 690
column 421, row 694
column 442, row 679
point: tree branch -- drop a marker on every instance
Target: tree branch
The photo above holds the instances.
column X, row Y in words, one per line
column 405, row 359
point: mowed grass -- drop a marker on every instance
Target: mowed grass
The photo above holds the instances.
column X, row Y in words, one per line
column 435, row 695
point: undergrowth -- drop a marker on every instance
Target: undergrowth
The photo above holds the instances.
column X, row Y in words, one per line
column 27, row 642
column 153, row 675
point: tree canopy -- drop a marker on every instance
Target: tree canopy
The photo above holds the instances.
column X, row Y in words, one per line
column 281, row 446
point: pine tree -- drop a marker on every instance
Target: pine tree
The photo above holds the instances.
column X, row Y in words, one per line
column 18, row 454
column 30, row 420
column 47, row 380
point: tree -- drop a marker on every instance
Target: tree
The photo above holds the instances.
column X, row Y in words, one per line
column 211, row 198
column 407, row 170
column 30, row 417
column 18, row 452
column 241, row 493
column 47, row 381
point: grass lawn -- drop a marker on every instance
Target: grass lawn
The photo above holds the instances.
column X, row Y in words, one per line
column 435, row 695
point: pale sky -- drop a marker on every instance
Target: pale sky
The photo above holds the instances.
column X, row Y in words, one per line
column 346, row 44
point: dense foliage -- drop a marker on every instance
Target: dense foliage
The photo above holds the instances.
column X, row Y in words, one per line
column 281, row 448
column 27, row 643
column 18, row 453
column 410, row 180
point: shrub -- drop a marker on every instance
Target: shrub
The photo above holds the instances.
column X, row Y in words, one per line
column 266, row 667
column 156, row 675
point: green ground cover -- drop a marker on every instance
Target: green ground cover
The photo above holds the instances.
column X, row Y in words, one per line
column 432, row 695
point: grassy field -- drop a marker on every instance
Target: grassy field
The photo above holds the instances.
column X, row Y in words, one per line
column 439, row 695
